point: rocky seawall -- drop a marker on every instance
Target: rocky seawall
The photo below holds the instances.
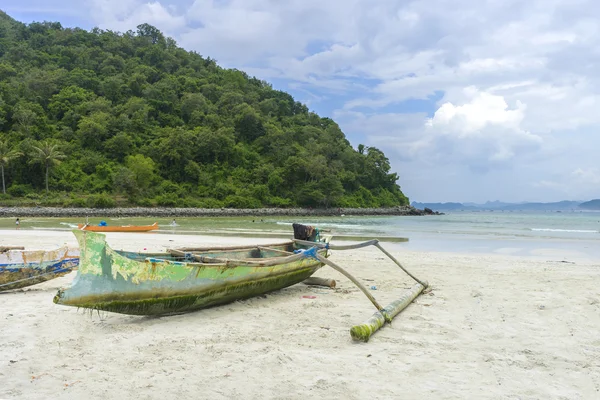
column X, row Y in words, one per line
column 202, row 212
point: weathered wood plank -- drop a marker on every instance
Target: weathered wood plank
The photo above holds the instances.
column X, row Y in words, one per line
column 313, row 280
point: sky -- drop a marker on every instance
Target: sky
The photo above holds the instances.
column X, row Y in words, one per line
column 470, row 100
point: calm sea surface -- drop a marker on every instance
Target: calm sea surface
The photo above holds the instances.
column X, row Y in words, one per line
column 563, row 235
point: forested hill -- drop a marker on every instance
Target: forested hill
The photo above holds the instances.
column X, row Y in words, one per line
column 135, row 118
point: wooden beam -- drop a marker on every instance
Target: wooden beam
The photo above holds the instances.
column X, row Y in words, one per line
column 316, row 281
column 226, row 248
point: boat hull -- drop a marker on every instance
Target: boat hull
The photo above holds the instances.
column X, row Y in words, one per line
column 19, row 269
column 125, row 228
column 108, row 280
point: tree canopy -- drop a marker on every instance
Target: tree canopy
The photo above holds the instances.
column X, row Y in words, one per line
column 134, row 117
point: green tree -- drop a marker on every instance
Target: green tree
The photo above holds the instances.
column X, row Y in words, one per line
column 24, row 118
column 124, row 181
column 7, row 154
column 49, row 155
column 151, row 33
column 193, row 102
column 143, row 169
column 67, row 99
column 93, row 130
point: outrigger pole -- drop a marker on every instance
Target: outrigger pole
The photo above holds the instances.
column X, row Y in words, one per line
column 364, row 331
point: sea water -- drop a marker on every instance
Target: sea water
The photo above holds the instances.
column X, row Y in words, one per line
column 561, row 235
column 556, row 235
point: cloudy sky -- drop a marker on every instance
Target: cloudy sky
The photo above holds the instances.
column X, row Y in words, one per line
column 470, row 100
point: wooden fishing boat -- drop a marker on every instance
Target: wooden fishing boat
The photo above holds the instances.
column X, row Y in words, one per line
column 184, row 279
column 20, row 268
column 194, row 278
column 122, row 228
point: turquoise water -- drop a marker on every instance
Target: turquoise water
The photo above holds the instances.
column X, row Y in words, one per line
column 520, row 233
column 557, row 235
column 562, row 235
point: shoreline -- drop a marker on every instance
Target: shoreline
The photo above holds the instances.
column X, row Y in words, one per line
column 532, row 251
column 204, row 212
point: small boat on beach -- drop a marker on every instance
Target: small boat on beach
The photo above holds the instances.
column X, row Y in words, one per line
column 22, row 268
column 121, row 228
column 188, row 279
column 181, row 280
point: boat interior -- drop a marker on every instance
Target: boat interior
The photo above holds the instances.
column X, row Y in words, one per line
column 205, row 255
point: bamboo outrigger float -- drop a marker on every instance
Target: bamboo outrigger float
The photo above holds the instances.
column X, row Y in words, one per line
column 22, row 268
column 364, row 331
column 190, row 279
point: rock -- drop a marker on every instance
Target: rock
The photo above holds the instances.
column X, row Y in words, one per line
column 415, row 211
column 425, row 211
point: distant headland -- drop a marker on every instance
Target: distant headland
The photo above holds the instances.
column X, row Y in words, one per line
column 502, row 206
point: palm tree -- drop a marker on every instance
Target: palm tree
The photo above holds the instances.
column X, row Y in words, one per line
column 49, row 155
column 7, row 154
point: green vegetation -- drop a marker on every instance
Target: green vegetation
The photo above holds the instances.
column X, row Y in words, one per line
column 137, row 120
column 6, row 155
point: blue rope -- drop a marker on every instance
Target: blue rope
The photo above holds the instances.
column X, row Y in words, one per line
column 308, row 253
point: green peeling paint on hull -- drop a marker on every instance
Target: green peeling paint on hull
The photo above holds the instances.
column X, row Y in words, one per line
column 109, row 281
column 147, row 305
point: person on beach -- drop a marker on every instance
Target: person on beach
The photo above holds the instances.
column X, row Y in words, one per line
column 17, row 223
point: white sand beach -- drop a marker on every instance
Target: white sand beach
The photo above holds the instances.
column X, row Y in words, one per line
column 493, row 327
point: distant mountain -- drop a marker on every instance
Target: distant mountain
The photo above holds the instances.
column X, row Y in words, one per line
column 591, row 205
column 501, row 206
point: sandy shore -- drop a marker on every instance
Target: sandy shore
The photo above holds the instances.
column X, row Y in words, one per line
column 493, row 327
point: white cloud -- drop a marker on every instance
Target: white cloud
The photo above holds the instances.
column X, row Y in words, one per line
column 482, row 131
column 124, row 15
column 579, row 184
column 589, row 176
column 483, row 125
column 483, row 110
